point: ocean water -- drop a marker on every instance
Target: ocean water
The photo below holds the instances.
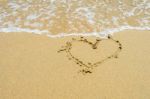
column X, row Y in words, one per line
column 59, row 18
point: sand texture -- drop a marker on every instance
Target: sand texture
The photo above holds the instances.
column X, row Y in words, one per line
column 32, row 68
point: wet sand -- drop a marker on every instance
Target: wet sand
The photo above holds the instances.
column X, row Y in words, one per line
column 31, row 68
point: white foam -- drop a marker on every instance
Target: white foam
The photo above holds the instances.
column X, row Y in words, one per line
column 32, row 17
column 19, row 30
column 102, row 34
column 16, row 19
column 14, row 5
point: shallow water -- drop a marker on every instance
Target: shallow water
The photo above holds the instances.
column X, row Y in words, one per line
column 58, row 18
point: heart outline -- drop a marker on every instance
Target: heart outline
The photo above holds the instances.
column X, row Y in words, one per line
column 88, row 66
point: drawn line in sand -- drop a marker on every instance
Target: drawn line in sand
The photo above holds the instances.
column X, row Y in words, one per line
column 86, row 68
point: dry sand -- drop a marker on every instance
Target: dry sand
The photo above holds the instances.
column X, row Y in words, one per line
column 31, row 68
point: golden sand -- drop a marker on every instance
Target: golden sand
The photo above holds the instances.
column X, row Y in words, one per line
column 31, row 68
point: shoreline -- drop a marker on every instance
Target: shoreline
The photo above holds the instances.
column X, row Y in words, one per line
column 102, row 34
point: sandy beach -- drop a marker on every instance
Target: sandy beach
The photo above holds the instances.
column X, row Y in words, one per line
column 31, row 68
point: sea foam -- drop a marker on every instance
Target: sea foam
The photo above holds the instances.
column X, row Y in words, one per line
column 54, row 18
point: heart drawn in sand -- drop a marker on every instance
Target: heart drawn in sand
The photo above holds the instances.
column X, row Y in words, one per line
column 88, row 66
